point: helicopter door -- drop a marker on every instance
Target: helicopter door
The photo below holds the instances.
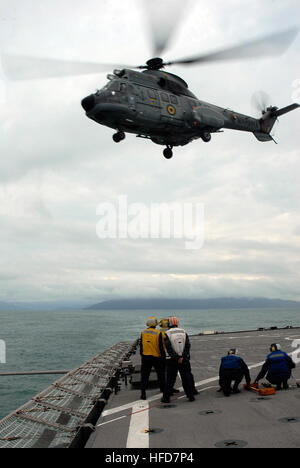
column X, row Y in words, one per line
column 148, row 104
column 171, row 112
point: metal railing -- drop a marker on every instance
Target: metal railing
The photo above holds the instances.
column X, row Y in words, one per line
column 64, row 414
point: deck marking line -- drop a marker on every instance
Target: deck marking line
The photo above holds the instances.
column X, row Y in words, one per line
column 149, row 408
column 133, row 412
column 112, row 420
column 138, row 404
column 139, row 422
column 200, row 391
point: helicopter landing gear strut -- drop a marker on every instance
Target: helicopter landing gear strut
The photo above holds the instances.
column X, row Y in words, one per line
column 168, row 153
column 206, row 137
column 119, row 136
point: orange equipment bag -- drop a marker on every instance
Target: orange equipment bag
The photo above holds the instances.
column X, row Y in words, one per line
column 262, row 391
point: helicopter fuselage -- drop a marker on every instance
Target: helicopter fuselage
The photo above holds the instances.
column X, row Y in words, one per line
column 159, row 106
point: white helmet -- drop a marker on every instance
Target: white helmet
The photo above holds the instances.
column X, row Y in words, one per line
column 275, row 347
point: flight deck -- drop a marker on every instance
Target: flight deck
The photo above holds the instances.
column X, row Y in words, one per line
column 246, row 420
column 98, row 405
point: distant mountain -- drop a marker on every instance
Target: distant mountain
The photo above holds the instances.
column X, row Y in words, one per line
column 154, row 304
column 41, row 305
column 6, row 306
column 177, row 304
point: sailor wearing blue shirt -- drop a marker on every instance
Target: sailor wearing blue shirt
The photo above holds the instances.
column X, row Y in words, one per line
column 233, row 369
column 278, row 367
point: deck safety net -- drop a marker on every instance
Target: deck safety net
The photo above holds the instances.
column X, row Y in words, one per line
column 52, row 418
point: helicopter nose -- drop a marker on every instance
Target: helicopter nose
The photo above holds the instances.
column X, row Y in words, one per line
column 88, row 103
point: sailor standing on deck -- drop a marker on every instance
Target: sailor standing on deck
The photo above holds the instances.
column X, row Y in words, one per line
column 233, row 369
column 153, row 355
column 164, row 327
column 278, row 367
column 177, row 346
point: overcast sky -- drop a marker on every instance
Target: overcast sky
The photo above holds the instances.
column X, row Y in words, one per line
column 57, row 166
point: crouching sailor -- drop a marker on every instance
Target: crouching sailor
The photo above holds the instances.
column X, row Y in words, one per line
column 233, row 369
column 177, row 346
column 278, row 367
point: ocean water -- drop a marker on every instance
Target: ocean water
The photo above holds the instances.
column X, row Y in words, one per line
column 52, row 340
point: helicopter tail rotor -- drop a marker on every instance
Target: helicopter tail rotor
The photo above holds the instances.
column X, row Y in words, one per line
column 269, row 118
column 261, row 101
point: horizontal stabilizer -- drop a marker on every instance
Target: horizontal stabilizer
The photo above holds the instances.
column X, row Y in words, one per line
column 263, row 136
column 285, row 110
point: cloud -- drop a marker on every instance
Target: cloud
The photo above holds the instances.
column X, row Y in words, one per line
column 56, row 166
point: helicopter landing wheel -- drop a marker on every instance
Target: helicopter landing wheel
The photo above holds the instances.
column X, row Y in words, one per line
column 206, row 137
column 120, row 136
column 168, row 153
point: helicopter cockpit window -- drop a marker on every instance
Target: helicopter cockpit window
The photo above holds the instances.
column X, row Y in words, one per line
column 174, row 99
column 99, row 91
column 165, row 97
column 110, row 86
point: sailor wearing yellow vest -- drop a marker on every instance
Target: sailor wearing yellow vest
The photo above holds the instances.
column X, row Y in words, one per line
column 164, row 326
column 153, row 355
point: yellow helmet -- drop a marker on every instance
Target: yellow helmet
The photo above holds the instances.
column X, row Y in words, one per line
column 151, row 322
column 164, row 323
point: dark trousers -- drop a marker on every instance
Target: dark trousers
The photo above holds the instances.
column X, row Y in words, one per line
column 159, row 365
column 184, row 369
column 192, row 377
column 228, row 376
column 279, row 380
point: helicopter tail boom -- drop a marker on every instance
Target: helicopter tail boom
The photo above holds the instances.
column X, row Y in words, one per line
column 269, row 119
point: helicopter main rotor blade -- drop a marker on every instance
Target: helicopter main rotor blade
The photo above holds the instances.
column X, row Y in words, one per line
column 163, row 18
column 272, row 45
column 19, row 68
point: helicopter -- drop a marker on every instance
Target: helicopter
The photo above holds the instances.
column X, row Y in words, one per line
column 157, row 105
